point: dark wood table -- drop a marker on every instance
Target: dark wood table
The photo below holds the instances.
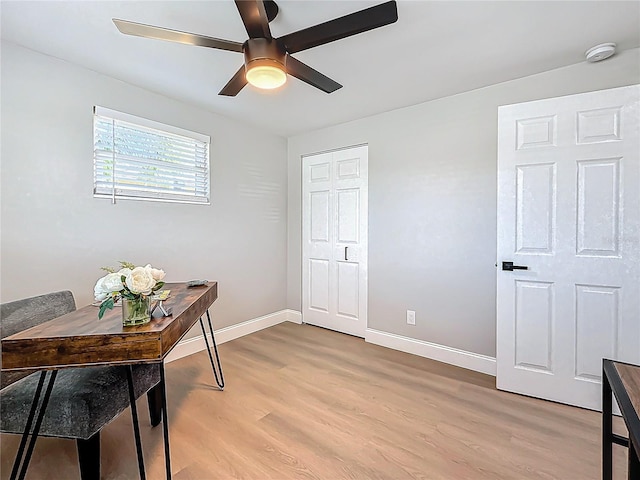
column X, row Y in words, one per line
column 623, row 380
column 79, row 339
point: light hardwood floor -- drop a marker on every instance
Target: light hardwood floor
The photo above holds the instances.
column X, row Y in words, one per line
column 306, row 403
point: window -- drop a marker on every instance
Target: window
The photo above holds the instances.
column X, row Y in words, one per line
column 136, row 158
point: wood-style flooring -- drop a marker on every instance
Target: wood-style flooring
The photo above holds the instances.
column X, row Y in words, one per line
column 306, row 403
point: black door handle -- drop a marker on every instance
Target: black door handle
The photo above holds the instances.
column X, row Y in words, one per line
column 510, row 267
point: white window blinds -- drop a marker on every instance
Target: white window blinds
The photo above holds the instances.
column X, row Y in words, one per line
column 137, row 158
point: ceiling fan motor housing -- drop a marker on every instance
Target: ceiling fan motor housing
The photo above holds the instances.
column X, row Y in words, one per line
column 263, row 51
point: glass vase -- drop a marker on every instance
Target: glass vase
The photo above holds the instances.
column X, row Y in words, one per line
column 136, row 311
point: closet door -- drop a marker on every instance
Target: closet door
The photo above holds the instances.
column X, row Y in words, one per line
column 334, row 240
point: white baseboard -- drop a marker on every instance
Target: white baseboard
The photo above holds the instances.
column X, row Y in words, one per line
column 294, row 316
column 441, row 353
column 196, row 344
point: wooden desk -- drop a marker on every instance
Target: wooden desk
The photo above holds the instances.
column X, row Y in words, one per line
column 623, row 380
column 80, row 339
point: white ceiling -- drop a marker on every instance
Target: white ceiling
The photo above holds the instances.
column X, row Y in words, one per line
column 435, row 49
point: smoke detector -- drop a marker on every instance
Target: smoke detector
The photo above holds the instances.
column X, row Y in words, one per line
column 600, row 52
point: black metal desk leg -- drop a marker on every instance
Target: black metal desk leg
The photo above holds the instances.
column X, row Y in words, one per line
column 220, row 379
column 27, row 428
column 154, row 399
column 89, row 457
column 165, row 421
column 634, row 463
column 36, row 428
column 607, row 428
column 136, row 426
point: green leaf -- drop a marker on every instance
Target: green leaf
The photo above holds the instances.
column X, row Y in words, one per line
column 158, row 286
column 107, row 304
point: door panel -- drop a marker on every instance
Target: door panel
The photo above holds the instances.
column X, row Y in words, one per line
column 348, row 215
column 348, row 289
column 334, row 240
column 601, row 125
column 536, row 132
column 348, row 168
column 534, row 325
column 569, row 210
column 596, row 329
column 599, row 207
column 320, row 172
column 320, row 216
column 536, row 206
column 318, row 234
column 319, row 285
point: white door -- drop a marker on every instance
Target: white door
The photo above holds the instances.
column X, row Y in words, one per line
column 569, row 210
column 334, row 240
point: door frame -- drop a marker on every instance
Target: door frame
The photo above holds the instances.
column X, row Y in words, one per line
column 301, row 179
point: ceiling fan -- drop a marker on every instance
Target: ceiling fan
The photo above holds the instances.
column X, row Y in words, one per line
column 268, row 60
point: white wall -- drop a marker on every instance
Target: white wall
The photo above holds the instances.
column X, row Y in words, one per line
column 432, row 203
column 56, row 236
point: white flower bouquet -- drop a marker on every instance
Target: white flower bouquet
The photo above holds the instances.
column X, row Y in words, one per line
column 134, row 285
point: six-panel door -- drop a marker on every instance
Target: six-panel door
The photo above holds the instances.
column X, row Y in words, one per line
column 334, row 240
column 569, row 210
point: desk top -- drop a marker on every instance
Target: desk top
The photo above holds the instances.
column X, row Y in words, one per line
column 80, row 339
column 630, row 376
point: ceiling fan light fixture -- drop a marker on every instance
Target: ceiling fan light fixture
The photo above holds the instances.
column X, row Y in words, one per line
column 266, row 74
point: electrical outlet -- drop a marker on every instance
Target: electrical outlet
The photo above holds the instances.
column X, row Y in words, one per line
column 411, row 317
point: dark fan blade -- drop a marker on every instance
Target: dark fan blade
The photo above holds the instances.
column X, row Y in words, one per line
column 254, row 17
column 237, row 83
column 160, row 33
column 307, row 74
column 342, row 27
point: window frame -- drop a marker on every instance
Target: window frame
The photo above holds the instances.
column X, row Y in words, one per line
column 144, row 124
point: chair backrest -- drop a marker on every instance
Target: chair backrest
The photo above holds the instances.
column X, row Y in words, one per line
column 29, row 312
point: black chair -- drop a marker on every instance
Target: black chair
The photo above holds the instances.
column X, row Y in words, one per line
column 83, row 400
